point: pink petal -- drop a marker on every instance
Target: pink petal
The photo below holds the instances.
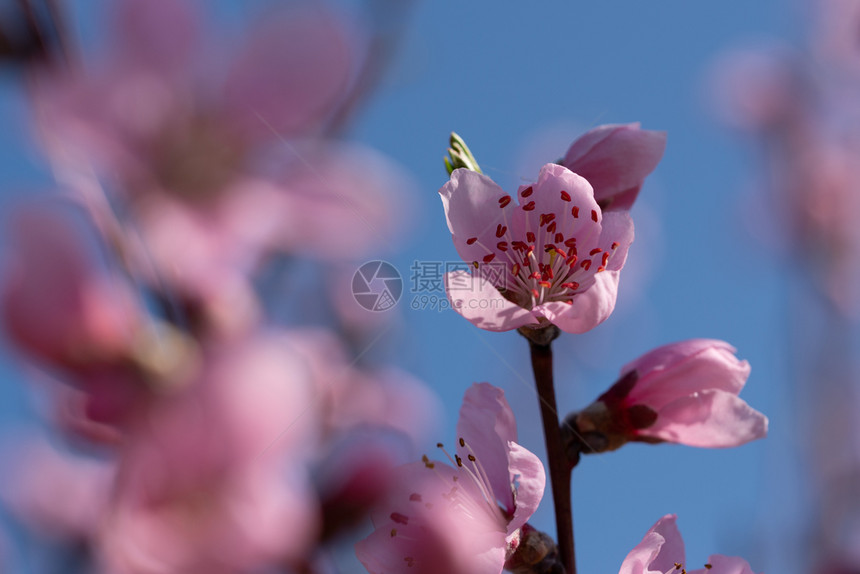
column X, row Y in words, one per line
column 589, row 308
column 156, row 34
column 709, row 419
column 725, row 565
column 442, row 545
column 423, row 522
column 481, row 303
column 672, row 549
column 642, row 555
column 487, row 425
column 617, row 230
column 615, row 160
column 680, row 369
column 529, row 475
column 474, row 212
column 548, row 197
column 659, row 550
column 290, row 75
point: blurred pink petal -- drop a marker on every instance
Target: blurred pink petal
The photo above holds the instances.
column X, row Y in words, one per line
column 57, row 305
column 59, row 494
column 343, row 202
column 352, row 398
column 204, row 485
column 289, row 74
column 542, row 255
column 155, row 34
column 755, row 89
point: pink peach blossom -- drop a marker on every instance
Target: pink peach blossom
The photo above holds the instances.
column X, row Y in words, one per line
column 214, row 476
column 684, row 392
column 615, row 159
column 662, row 552
column 466, row 516
column 553, row 258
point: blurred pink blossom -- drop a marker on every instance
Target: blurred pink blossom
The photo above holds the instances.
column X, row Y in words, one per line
column 351, row 397
column 77, row 318
column 211, row 164
column 59, row 494
column 683, row 392
column 465, row 517
column 553, row 258
column 214, row 477
column 57, row 304
column 662, row 552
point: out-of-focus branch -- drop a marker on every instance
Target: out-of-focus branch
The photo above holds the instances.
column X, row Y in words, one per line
column 388, row 19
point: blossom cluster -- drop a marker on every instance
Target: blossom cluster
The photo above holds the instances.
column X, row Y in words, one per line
column 209, row 427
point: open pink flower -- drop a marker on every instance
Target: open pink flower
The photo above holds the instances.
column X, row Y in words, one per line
column 615, row 159
column 662, row 552
column 684, row 392
column 553, row 258
column 466, row 516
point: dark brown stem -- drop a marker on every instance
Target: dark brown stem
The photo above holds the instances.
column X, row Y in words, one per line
column 559, row 468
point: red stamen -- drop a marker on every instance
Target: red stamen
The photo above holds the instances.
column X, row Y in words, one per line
column 575, row 211
column 565, row 196
column 471, row 240
column 530, row 237
column 594, row 215
column 490, row 257
column 500, row 230
column 530, row 206
column 595, row 251
column 504, row 201
column 559, row 237
column 527, row 192
column 586, row 264
column 571, row 285
column 502, row 246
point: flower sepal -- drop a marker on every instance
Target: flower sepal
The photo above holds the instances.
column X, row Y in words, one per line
column 536, row 553
column 460, row 156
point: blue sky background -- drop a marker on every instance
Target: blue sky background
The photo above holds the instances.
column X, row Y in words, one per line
column 520, row 81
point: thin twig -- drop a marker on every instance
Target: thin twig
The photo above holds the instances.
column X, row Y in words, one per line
column 559, row 469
